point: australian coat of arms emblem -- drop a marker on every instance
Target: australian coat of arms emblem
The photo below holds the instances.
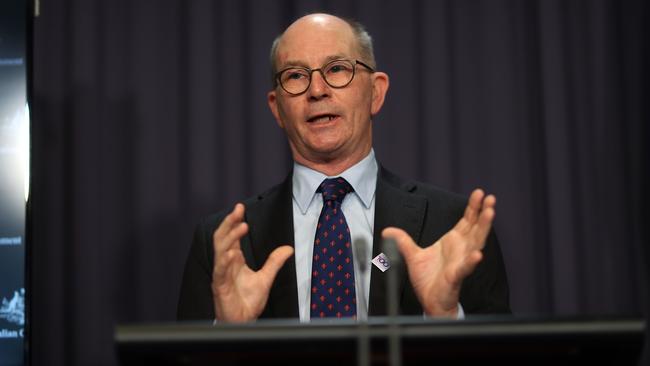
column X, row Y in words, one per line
column 13, row 310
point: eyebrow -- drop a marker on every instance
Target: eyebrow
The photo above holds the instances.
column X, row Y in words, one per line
column 293, row 63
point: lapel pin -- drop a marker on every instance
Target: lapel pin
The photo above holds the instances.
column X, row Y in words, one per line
column 381, row 262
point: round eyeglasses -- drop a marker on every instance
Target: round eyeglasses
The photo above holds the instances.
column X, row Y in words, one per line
column 337, row 74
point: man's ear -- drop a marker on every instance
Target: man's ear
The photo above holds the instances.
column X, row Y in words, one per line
column 272, row 99
column 380, row 84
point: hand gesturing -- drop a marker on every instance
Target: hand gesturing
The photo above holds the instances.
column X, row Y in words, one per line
column 437, row 271
column 239, row 293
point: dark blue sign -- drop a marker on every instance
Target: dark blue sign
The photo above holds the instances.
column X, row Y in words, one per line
column 14, row 178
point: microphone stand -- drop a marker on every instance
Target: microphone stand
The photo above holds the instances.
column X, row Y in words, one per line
column 394, row 342
column 363, row 339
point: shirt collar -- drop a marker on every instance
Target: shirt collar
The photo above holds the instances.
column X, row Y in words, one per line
column 362, row 177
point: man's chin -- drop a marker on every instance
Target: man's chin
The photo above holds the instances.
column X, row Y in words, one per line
column 322, row 153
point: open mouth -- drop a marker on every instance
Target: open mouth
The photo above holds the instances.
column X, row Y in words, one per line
column 322, row 118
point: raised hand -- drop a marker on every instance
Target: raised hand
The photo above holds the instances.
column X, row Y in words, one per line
column 240, row 293
column 437, row 271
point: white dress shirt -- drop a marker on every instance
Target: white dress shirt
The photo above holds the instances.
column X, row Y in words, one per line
column 359, row 210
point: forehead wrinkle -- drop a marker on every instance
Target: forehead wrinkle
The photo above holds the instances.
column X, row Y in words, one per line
column 328, row 59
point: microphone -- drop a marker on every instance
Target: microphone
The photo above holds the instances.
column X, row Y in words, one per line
column 363, row 339
column 389, row 248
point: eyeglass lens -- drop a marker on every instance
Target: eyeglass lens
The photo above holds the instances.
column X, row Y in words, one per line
column 337, row 74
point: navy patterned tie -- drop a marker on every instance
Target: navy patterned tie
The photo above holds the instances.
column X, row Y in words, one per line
column 332, row 276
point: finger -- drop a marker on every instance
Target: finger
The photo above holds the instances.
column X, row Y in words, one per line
column 468, row 265
column 474, row 205
column 405, row 243
column 232, row 240
column 234, row 262
column 235, row 256
column 228, row 257
column 489, row 201
column 471, row 211
column 224, row 265
column 276, row 260
column 482, row 228
column 231, row 221
column 233, row 218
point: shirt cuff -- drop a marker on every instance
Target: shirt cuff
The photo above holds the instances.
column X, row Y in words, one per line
column 459, row 316
column 461, row 313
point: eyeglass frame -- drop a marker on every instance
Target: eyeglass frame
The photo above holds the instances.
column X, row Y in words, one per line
column 320, row 70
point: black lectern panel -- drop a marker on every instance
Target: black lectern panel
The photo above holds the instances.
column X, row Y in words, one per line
column 470, row 342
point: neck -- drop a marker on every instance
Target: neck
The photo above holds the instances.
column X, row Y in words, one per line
column 333, row 166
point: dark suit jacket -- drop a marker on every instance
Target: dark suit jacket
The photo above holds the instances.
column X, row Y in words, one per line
column 425, row 212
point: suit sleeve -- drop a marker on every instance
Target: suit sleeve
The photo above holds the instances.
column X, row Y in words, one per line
column 195, row 300
column 486, row 290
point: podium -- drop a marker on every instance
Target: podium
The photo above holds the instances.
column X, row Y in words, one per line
column 474, row 341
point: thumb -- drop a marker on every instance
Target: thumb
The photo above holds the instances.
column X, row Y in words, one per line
column 276, row 261
column 405, row 243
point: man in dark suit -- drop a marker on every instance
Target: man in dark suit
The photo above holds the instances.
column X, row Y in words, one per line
column 326, row 91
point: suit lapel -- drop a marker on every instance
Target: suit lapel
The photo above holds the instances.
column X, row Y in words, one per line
column 271, row 225
column 395, row 205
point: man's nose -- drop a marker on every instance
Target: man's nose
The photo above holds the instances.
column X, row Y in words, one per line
column 318, row 88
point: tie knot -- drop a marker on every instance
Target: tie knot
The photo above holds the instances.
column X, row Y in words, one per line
column 334, row 189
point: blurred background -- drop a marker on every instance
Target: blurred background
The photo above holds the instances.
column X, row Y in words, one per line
column 149, row 115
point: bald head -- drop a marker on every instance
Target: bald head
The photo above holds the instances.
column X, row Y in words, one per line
column 328, row 126
column 344, row 29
